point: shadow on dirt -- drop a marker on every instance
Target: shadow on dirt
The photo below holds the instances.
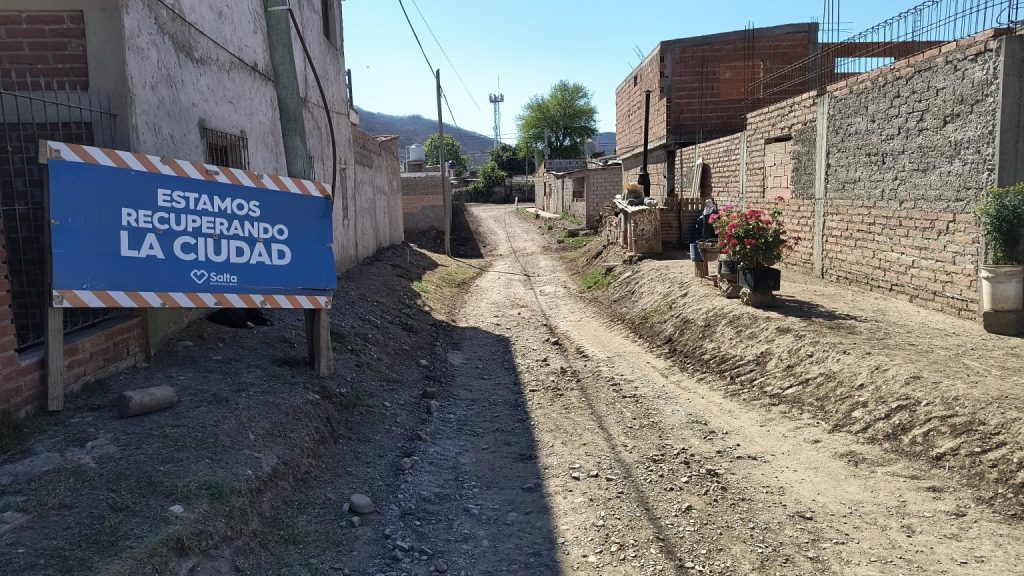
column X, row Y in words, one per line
column 257, row 440
column 802, row 309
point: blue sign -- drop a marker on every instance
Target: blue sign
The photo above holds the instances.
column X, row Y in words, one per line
column 135, row 231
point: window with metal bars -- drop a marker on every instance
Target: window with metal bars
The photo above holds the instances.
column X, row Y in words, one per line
column 40, row 110
column 225, row 149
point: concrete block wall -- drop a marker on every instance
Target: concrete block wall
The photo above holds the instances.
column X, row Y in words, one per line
column 909, row 149
column 601, row 187
column 46, row 44
column 422, row 203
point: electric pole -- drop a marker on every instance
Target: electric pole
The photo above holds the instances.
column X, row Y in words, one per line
column 446, row 200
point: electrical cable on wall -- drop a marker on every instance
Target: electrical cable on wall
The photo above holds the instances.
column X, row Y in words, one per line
column 323, row 97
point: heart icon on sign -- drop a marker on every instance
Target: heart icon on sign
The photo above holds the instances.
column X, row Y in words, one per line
column 199, row 276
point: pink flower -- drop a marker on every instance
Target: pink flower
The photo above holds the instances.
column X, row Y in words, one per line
column 734, row 242
column 750, row 242
column 728, row 207
column 712, row 218
column 725, row 250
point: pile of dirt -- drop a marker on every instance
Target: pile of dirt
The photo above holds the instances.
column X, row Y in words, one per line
column 83, row 492
column 917, row 382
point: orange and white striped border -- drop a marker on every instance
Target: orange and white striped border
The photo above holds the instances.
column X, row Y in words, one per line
column 183, row 168
column 120, row 299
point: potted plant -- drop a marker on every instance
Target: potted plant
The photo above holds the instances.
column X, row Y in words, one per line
column 1001, row 211
column 709, row 249
column 758, row 240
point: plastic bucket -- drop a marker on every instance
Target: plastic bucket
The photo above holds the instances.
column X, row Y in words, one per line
column 1002, row 288
column 695, row 253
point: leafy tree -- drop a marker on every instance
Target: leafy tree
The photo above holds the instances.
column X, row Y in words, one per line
column 568, row 116
column 492, row 176
column 452, row 152
column 510, row 159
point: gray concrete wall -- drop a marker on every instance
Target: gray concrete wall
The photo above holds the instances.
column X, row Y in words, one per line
column 172, row 70
column 180, row 79
column 375, row 215
column 927, row 136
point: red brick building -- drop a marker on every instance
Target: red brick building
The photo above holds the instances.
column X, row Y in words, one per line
column 700, row 88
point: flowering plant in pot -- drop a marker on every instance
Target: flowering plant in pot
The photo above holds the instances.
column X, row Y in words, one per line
column 758, row 240
column 1001, row 211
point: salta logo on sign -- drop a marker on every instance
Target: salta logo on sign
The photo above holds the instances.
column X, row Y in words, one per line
column 189, row 235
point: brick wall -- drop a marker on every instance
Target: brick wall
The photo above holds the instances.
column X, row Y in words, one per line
column 602, row 186
column 657, row 168
column 721, row 168
column 89, row 355
column 48, row 44
column 629, row 105
column 422, row 203
column 910, row 148
column 709, row 83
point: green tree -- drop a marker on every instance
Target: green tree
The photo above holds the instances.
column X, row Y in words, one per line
column 510, row 159
column 452, row 152
column 566, row 114
column 492, row 176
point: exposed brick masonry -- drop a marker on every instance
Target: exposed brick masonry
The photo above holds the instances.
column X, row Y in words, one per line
column 47, row 44
column 910, row 147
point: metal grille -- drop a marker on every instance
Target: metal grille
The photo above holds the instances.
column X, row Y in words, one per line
column 40, row 110
column 916, row 30
column 225, row 149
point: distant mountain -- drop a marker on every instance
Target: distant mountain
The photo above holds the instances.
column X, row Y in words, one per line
column 416, row 129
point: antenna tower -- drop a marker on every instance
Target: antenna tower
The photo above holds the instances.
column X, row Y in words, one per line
column 496, row 100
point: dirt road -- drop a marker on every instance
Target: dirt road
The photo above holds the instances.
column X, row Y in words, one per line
column 560, row 444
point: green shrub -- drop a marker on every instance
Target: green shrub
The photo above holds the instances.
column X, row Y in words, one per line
column 597, row 279
column 571, row 218
column 1002, row 224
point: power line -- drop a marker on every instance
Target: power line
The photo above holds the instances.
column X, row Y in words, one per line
column 454, row 69
column 416, row 36
column 430, row 66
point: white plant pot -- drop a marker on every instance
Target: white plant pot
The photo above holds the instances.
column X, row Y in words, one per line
column 1002, row 288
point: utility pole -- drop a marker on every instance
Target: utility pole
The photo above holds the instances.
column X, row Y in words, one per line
column 447, row 201
column 296, row 155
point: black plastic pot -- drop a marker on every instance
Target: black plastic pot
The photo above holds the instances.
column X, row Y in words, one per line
column 726, row 266
column 760, row 279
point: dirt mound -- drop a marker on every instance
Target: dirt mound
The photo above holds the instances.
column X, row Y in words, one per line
column 93, row 494
column 912, row 380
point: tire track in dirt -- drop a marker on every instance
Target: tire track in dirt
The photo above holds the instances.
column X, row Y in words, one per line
column 848, row 504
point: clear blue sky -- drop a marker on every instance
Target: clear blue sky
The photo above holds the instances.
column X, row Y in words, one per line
column 532, row 44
